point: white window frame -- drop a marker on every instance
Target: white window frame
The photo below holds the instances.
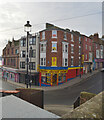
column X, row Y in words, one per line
column 44, row 62
column 72, row 45
column 44, row 47
column 79, row 40
column 72, row 38
column 43, row 35
column 53, row 34
column 65, row 36
column 72, row 58
column 53, row 42
column 64, row 62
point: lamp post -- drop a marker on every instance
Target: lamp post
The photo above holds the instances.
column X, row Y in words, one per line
column 27, row 28
column 30, row 65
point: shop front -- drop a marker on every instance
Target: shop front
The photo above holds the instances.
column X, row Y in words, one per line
column 99, row 63
column 51, row 77
column 10, row 74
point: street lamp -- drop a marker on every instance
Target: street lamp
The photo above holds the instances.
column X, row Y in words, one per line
column 27, row 28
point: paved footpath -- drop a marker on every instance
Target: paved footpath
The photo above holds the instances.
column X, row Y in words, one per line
column 64, row 85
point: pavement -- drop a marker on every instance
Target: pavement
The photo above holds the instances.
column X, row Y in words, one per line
column 71, row 82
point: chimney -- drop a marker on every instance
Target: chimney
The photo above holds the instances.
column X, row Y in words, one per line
column 96, row 35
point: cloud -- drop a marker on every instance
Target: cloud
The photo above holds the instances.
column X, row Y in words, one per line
column 14, row 15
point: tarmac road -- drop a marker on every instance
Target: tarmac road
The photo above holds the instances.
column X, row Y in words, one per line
column 67, row 96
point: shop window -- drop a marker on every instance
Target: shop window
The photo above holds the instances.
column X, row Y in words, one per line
column 64, row 76
column 54, row 33
column 48, row 78
column 54, row 46
column 60, row 77
column 43, row 77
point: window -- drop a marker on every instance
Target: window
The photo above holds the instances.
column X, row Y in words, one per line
column 79, row 61
column 72, row 48
column 42, row 61
column 32, row 41
column 43, row 47
column 101, row 54
column 66, row 48
column 16, row 51
column 86, row 39
column 90, row 56
column 32, row 53
column 23, row 54
column 54, row 33
column 101, row 47
column 79, row 49
column 32, row 65
column 72, row 58
column 89, row 48
column 86, row 56
column 8, row 51
column 86, row 47
column 79, row 40
column 23, row 43
column 96, row 45
column 97, row 54
column 12, row 51
column 54, row 46
column 65, row 37
column 66, row 62
column 43, row 35
column 22, row 65
column 72, row 37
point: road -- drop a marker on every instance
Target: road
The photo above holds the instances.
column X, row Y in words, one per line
column 66, row 96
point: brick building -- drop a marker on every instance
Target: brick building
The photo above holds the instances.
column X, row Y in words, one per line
column 98, row 51
column 87, row 53
column 59, row 55
column 11, row 61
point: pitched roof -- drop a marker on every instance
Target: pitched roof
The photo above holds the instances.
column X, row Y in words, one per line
column 14, row 107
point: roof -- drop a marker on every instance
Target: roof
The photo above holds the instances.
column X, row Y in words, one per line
column 14, row 107
column 90, row 109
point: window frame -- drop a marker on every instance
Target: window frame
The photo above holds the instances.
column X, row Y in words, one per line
column 54, row 33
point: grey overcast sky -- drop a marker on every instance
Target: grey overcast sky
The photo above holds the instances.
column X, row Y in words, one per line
column 13, row 16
